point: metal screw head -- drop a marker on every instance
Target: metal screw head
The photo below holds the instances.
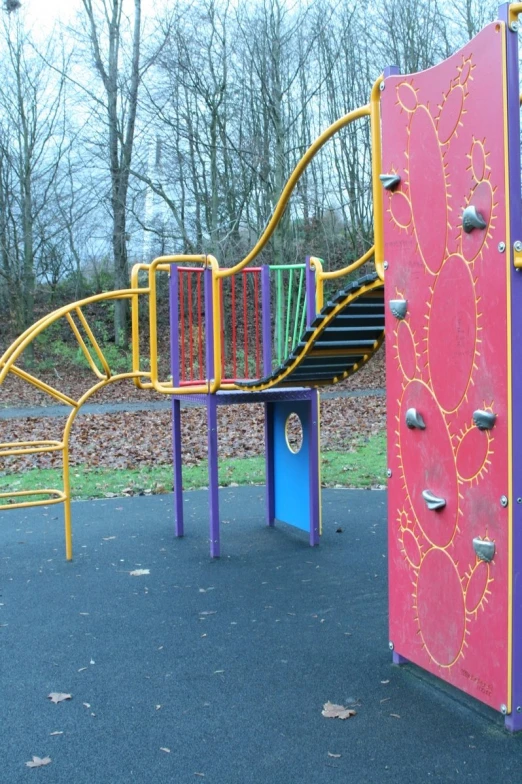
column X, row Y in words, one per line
column 385, row 265
column 519, row 500
column 514, row 27
column 518, row 246
column 391, row 646
column 503, row 500
column 389, row 473
column 519, row 709
column 501, row 247
column 382, row 86
column 503, row 709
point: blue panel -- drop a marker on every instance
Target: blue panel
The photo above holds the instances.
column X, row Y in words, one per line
column 292, row 470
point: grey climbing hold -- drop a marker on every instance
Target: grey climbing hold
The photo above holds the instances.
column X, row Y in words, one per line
column 484, row 420
column 414, row 420
column 471, row 219
column 399, row 307
column 433, row 502
column 390, row 181
column 484, row 550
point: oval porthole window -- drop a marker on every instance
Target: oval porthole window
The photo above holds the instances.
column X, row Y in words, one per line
column 294, row 433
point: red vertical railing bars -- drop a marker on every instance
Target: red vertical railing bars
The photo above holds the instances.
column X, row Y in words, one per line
column 223, row 343
column 191, row 325
column 245, row 322
column 240, row 326
column 182, row 320
column 256, row 324
column 200, row 330
column 234, row 334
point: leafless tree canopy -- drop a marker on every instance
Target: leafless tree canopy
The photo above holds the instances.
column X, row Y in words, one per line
column 125, row 136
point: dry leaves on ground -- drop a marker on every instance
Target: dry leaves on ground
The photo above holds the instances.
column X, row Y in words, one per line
column 333, row 711
column 58, row 696
column 38, row 762
column 136, row 439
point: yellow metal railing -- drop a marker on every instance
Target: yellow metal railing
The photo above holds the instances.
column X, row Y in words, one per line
column 149, row 379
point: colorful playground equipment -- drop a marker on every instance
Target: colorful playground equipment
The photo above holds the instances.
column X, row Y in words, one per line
column 447, row 287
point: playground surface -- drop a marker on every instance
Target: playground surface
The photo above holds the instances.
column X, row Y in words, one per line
column 218, row 670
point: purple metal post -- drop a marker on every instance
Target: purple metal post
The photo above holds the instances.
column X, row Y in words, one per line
column 211, row 402
column 176, row 405
column 398, row 659
column 209, row 324
column 269, row 464
column 314, row 469
column 212, row 439
column 266, row 320
column 513, row 720
column 311, row 310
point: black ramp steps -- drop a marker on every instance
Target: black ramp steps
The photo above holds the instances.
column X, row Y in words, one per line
column 343, row 337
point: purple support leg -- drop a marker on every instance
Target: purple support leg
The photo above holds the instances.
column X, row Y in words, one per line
column 311, row 311
column 398, row 659
column 269, row 464
column 213, row 475
column 265, row 321
column 178, row 475
column 513, row 720
column 176, row 405
column 314, row 469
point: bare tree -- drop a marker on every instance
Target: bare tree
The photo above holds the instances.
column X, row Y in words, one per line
column 120, row 72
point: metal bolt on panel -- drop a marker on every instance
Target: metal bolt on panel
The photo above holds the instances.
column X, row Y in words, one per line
column 503, row 500
column 501, row 247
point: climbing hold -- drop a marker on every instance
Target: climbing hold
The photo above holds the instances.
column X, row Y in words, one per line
column 484, row 420
column 433, row 502
column 390, row 181
column 414, row 420
column 399, row 307
column 484, row 550
column 471, row 219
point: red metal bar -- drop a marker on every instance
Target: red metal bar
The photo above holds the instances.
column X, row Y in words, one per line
column 245, row 320
column 182, row 319
column 256, row 322
column 200, row 329
column 234, row 342
column 191, row 325
column 223, row 344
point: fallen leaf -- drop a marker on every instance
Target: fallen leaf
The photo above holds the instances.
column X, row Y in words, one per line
column 158, row 707
column 87, row 704
column 333, row 711
column 384, row 682
column 37, row 762
column 163, row 748
column 82, row 669
column 108, row 538
column 56, row 697
column 395, row 715
column 58, row 732
column 139, row 572
column 334, row 756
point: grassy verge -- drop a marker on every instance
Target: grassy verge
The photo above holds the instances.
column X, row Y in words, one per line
column 364, row 467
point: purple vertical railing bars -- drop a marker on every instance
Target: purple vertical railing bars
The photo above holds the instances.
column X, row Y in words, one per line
column 266, row 321
column 311, row 310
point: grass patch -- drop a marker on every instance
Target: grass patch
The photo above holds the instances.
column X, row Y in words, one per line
column 364, row 467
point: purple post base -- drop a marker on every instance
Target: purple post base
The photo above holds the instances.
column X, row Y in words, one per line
column 178, row 471
column 398, row 659
column 213, row 477
column 269, row 465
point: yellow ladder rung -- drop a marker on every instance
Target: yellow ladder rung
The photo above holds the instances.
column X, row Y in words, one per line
column 57, row 497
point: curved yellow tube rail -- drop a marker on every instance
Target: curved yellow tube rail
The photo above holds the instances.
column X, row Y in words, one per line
column 375, row 103
column 363, row 111
column 320, row 276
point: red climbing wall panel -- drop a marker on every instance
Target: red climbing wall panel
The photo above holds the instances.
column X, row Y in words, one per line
column 443, row 133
